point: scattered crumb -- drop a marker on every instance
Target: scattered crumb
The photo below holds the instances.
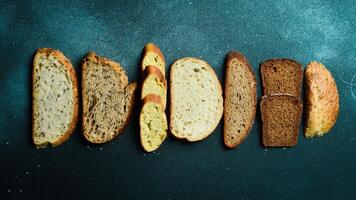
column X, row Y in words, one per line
column 20, row 190
column 144, row 154
column 27, row 172
column 284, row 148
column 101, row 148
column 7, row 142
column 228, row 168
column 265, row 150
column 8, row 190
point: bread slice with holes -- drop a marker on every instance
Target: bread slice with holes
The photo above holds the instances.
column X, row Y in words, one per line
column 281, row 115
column 153, row 56
column 154, row 83
column 108, row 98
column 282, row 76
column 322, row 100
column 240, row 99
column 54, row 98
column 153, row 123
column 196, row 102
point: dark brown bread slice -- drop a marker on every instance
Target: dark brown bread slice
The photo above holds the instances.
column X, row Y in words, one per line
column 281, row 115
column 281, row 76
column 240, row 99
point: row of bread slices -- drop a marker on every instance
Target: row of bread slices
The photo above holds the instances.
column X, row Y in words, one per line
column 196, row 102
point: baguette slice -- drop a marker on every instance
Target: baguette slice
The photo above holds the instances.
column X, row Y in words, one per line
column 281, row 76
column 108, row 98
column 240, row 99
column 322, row 100
column 152, row 55
column 196, row 99
column 281, row 115
column 153, row 123
column 154, row 83
column 55, row 98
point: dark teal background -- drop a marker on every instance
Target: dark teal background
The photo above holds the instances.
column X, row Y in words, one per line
column 322, row 168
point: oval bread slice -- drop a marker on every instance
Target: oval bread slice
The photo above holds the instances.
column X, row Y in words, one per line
column 153, row 123
column 154, row 83
column 196, row 99
column 152, row 55
column 55, row 98
column 322, row 100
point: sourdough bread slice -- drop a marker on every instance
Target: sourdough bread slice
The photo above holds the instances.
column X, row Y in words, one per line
column 54, row 98
column 322, row 100
column 240, row 99
column 281, row 76
column 154, row 83
column 152, row 55
column 153, row 123
column 281, row 115
column 196, row 99
column 108, row 98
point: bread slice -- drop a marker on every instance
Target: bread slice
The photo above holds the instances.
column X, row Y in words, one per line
column 54, row 98
column 154, row 83
column 108, row 98
column 153, row 123
column 322, row 100
column 240, row 99
column 281, row 115
column 152, row 55
column 196, row 99
column 281, row 76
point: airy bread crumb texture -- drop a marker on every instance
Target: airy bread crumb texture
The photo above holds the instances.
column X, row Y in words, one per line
column 154, row 83
column 154, row 57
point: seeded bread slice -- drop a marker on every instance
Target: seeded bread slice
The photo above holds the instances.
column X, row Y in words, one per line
column 322, row 100
column 281, row 76
column 154, row 83
column 196, row 99
column 240, row 99
column 54, row 98
column 153, row 56
column 108, row 98
column 281, row 115
column 153, row 123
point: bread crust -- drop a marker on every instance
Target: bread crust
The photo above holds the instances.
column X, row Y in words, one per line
column 241, row 58
column 150, row 47
column 282, row 60
column 152, row 70
column 322, row 100
column 92, row 57
column 171, row 88
column 69, row 67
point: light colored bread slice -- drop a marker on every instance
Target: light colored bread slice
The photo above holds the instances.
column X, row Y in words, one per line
column 322, row 100
column 153, row 123
column 196, row 99
column 55, row 98
column 152, row 55
column 108, row 98
column 240, row 99
column 154, row 83
column 281, row 115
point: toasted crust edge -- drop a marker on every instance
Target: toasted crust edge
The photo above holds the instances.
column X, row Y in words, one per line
column 73, row 76
column 300, row 68
column 239, row 56
column 152, row 70
column 91, row 56
column 171, row 88
column 151, row 47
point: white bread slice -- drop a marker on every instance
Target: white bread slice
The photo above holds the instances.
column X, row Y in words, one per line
column 153, row 123
column 152, row 55
column 196, row 99
column 154, row 83
column 55, row 98
column 108, row 98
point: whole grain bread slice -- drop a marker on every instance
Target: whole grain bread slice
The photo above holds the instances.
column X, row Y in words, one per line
column 240, row 99
column 281, row 115
column 282, row 76
column 108, row 98
column 54, row 98
column 154, row 83
column 322, row 100
column 196, row 99
column 153, row 123
column 153, row 56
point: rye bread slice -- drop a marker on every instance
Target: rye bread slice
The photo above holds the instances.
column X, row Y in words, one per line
column 281, row 115
column 240, row 99
column 108, row 98
column 54, row 98
column 322, row 100
column 282, row 76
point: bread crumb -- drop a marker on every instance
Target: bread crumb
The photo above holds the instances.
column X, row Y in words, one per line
column 8, row 190
column 284, row 148
column 20, row 190
column 7, row 142
column 101, row 148
column 27, row 172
